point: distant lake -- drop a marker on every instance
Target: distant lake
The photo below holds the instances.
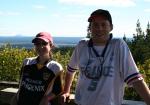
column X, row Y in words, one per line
column 26, row 42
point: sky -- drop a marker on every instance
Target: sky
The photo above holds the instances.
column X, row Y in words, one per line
column 68, row 18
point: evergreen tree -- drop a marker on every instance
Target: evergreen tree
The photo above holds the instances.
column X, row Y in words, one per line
column 138, row 44
column 147, row 42
column 148, row 33
column 124, row 38
column 138, row 28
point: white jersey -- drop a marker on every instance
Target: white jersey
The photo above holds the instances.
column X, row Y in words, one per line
column 102, row 83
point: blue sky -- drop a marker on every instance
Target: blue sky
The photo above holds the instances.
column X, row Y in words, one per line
column 69, row 17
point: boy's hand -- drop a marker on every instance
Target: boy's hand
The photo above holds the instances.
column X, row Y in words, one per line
column 65, row 98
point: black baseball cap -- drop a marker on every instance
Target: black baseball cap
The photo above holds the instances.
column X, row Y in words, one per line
column 100, row 12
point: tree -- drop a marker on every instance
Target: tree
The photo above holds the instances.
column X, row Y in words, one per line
column 140, row 45
column 124, row 38
column 148, row 33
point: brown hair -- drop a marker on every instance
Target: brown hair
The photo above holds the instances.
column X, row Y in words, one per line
column 98, row 12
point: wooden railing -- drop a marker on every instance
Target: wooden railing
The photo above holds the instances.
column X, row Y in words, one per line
column 11, row 88
column 9, row 84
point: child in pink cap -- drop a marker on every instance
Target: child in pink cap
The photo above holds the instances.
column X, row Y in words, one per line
column 40, row 80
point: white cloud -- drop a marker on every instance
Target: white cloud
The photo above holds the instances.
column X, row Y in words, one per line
column 147, row 10
column 122, row 3
column 9, row 13
column 39, row 6
column 147, row 0
column 1, row 13
column 2, row 28
column 13, row 13
column 56, row 15
column 70, row 16
column 75, row 15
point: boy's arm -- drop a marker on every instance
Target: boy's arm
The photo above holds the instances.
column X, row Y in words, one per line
column 68, row 82
column 143, row 90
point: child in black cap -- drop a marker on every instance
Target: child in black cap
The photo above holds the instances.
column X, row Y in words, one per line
column 105, row 64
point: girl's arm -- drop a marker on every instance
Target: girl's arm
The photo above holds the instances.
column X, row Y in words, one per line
column 47, row 98
column 57, row 89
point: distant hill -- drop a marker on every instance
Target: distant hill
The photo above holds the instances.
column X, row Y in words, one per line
column 26, row 42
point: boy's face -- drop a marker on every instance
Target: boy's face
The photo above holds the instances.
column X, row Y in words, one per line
column 100, row 27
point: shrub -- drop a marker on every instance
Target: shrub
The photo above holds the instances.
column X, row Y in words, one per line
column 11, row 61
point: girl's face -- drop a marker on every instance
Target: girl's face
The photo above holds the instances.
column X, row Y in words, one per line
column 42, row 48
column 100, row 27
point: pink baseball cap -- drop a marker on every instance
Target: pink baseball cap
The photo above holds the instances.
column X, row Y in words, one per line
column 45, row 36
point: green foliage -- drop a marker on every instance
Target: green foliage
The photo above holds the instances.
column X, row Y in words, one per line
column 62, row 55
column 140, row 48
column 130, row 93
column 145, row 70
column 11, row 61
